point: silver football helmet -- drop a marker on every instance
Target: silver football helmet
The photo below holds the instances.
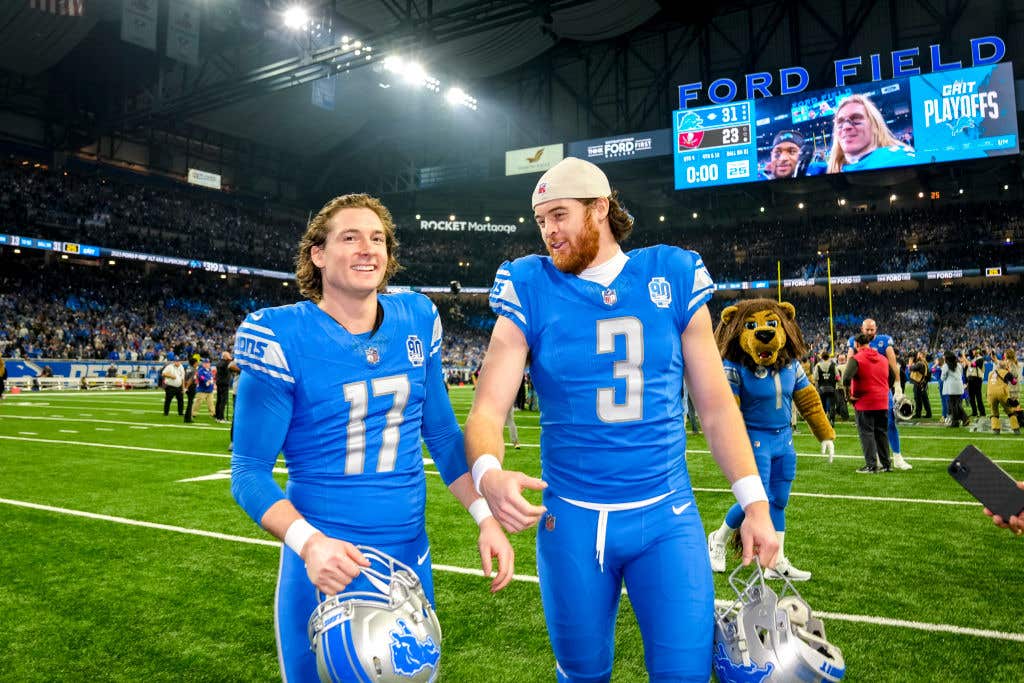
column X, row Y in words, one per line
column 773, row 638
column 904, row 408
column 388, row 635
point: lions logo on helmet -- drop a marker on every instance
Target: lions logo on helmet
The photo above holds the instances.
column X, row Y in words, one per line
column 767, row 638
column 387, row 635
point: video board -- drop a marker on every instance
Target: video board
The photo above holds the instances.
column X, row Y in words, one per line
column 922, row 119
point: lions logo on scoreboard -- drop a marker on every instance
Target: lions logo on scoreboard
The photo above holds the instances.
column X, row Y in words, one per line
column 414, row 348
column 660, row 291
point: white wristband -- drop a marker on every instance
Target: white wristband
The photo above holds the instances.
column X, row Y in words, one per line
column 483, row 464
column 298, row 533
column 479, row 510
column 749, row 489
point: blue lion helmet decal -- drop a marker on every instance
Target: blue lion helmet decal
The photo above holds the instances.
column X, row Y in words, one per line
column 728, row 672
column 409, row 655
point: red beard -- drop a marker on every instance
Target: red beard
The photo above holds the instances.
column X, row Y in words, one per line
column 582, row 250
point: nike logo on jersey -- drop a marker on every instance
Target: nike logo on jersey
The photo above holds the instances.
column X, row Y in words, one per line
column 678, row 509
column 421, row 559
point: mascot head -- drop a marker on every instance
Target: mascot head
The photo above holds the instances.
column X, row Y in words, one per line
column 760, row 332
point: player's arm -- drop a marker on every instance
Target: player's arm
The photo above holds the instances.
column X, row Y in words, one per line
column 727, row 435
column 500, row 376
column 445, row 442
column 263, row 413
column 894, row 369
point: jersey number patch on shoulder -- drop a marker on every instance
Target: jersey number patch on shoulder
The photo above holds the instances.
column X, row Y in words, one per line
column 357, row 395
column 628, row 369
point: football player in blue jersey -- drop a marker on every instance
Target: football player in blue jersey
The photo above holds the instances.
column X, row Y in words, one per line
column 862, row 141
column 345, row 384
column 610, row 336
column 882, row 343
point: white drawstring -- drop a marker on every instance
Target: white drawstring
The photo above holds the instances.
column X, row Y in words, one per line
column 602, row 518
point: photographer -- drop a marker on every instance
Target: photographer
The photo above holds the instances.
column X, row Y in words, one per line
column 975, row 378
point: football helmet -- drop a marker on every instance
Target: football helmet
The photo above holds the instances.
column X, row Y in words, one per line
column 764, row 637
column 385, row 635
column 904, row 408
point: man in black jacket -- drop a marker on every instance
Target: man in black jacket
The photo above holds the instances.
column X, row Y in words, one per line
column 223, row 383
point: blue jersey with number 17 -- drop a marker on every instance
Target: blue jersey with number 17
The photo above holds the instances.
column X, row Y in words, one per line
column 348, row 412
column 607, row 365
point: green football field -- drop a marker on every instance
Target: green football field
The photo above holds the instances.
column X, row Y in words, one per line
column 125, row 558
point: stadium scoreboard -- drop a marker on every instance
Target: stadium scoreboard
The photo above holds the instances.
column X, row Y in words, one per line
column 714, row 145
column 950, row 115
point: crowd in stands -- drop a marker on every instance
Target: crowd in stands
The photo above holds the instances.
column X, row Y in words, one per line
column 90, row 206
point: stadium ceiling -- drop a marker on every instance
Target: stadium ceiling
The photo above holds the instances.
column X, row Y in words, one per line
column 253, row 77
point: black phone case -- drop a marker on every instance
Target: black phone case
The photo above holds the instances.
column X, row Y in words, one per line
column 987, row 482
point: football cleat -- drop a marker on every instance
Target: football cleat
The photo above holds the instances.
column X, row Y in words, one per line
column 785, row 569
column 899, row 463
column 769, row 637
column 386, row 635
column 716, row 551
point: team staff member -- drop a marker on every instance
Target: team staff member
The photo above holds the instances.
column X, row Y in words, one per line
column 345, row 384
column 610, row 337
column 867, row 378
column 882, row 343
column 173, row 376
column 222, row 379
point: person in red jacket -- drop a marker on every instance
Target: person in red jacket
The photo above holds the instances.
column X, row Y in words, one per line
column 867, row 378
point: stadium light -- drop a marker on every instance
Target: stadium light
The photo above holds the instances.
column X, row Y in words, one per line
column 1006, row 187
column 961, row 190
column 295, row 17
column 841, row 202
column 487, row 219
column 892, row 198
column 800, row 206
column 111, row 262
column 17, row 251
column 284, row 284
column 522, row 220
column 223, row 276
column 920, row 195
column 451, row 216
column 64, row 257
column 661, row 219
column 695, row 214
column 762, row 209
column 417, row 216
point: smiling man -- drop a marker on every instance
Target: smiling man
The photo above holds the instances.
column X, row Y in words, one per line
column 862, row 141
column 610, row 336
column 345, row 384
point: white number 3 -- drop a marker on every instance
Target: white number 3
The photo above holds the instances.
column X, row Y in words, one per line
column 628, row 369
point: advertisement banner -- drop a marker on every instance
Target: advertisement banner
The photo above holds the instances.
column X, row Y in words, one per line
column 204, row 178
column 466, row 226
column 532, row 159
column 922, row 119
column 651, row 143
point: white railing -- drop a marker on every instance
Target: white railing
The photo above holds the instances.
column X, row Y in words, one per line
column 89, row 383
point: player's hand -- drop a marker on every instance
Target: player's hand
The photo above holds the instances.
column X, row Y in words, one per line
column 331, row 564
column 828, row 447
column 493, row 543
column 1014, row 523
column 897, row 392
column 503, row 491
column 758, row 535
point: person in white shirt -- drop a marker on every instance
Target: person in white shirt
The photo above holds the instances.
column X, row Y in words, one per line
column 174, row 376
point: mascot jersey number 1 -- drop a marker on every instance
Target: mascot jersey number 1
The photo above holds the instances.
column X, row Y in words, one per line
column 761, row 347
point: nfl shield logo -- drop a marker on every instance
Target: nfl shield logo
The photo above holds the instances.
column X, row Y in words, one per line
column 610, row 297
column 372, row 355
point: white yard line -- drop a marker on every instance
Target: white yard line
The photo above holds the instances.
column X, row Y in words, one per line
column 858, row 618
column 113, row 422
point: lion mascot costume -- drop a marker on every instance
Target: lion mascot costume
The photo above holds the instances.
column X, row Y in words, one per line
column 761, row 347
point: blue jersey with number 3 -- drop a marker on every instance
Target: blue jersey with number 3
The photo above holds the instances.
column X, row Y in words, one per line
column 607, row 365
column 347, row 412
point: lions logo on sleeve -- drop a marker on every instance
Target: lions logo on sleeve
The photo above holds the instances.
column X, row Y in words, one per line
column 258, row 348
column 504, row 299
